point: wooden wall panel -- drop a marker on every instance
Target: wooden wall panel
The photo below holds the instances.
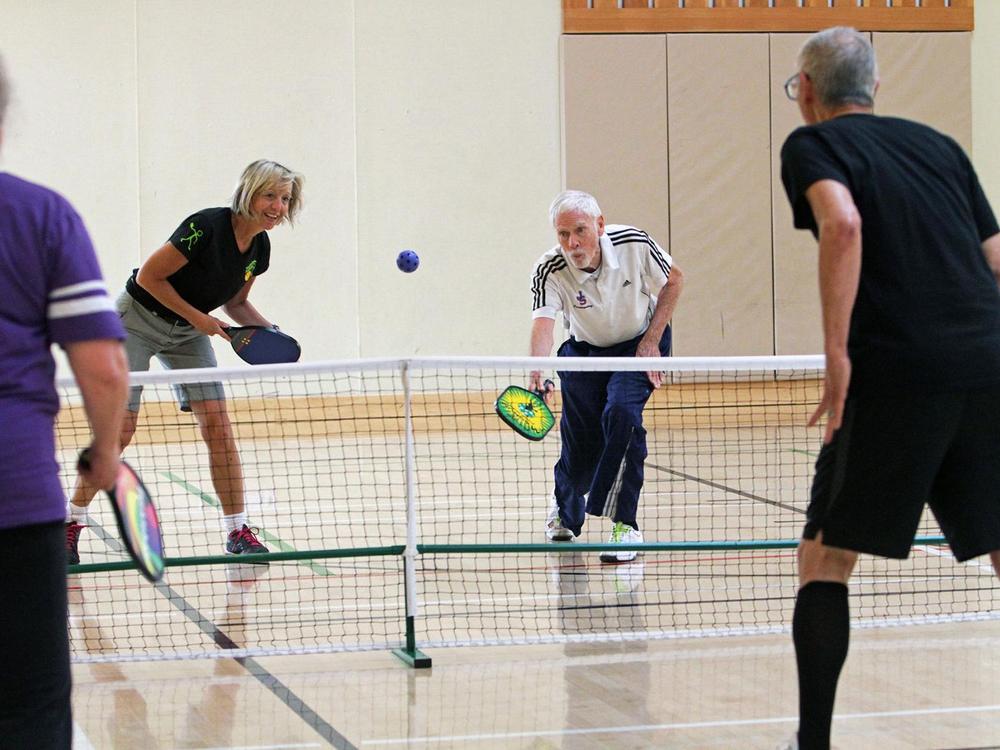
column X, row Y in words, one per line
column 719, row 112
column 927, row 77
column 798, row 327
column 667, row 16
column 615, row 127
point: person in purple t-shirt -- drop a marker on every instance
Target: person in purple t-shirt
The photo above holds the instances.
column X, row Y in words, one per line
column 51, row 290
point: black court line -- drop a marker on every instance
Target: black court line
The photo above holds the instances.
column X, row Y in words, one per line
column 733, row 490
column 282, row 692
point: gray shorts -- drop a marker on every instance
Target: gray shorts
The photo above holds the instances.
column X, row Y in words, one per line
column 175, row 345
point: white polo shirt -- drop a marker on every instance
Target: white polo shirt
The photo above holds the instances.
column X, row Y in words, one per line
column 614, row 303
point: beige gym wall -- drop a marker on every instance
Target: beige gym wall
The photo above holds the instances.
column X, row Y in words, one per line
column 458, row 158
column 427, row 125
column 615, row 126
column 797, row 318
column 926, row 76
column 750, row 276
column 277, row 86
column 72, row 122
column 986, row 98
column 144, row 112
column 718, row 99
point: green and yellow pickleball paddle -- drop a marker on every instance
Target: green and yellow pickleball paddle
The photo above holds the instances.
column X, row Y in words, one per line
column 526, row 411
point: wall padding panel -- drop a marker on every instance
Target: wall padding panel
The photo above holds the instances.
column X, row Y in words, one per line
column 798, row 324
column 720, row 216
column 927, row 77
column 615, row 126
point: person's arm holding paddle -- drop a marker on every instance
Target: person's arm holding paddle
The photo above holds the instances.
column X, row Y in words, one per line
column 101, row 372
column 153, row 276
column 541, row 346
column 244, row 313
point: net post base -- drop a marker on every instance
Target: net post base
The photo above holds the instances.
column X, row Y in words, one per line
column 409, row 653
column 416, row 659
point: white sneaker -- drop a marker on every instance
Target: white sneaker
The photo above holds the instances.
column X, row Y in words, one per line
column 791, row 744
column 554, row 530
column 622, row 533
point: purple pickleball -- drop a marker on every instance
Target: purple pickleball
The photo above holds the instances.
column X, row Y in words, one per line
column 407, row 261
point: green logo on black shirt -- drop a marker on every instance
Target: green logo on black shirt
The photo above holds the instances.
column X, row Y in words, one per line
column 193, row 238
column 248, row 271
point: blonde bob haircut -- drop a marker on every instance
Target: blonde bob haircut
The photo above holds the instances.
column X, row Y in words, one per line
column 260, row 176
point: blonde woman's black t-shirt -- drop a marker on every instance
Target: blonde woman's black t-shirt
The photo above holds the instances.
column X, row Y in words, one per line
column 927, row 312
column 216, row 270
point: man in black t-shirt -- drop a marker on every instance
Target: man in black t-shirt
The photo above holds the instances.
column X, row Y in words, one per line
column 909, row 258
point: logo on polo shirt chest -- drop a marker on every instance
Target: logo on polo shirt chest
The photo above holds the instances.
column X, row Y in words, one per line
column 581, row 301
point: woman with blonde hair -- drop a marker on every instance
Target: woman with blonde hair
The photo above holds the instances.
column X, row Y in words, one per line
column 211, row 260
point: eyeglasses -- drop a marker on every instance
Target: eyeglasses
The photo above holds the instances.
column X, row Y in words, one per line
column 792, row 84
column 792, row 87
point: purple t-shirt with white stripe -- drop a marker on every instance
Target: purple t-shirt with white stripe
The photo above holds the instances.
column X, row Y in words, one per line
column 51, row 291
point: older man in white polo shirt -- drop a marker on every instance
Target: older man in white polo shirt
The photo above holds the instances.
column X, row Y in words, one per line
column 617, row 290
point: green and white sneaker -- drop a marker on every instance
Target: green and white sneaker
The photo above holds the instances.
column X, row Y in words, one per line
column 622, row 533
column 554, row 530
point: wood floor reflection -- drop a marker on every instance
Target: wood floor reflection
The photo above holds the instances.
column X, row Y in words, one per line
column 918, row 687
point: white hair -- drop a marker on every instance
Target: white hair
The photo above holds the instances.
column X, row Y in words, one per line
column 573, row 200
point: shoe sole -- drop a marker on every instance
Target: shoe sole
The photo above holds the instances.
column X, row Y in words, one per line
column 248, row 562
column 612, row 558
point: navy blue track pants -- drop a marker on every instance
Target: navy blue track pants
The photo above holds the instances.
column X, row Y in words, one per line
column 603, row 440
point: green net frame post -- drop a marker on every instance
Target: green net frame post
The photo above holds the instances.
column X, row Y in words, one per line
column 410, row 654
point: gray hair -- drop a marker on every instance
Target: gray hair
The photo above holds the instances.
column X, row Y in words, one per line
column 840, row 62
column 574, row 200
column 263, row 174
column 4, row 91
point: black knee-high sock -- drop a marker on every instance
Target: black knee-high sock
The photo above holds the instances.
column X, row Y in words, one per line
column 820, row 630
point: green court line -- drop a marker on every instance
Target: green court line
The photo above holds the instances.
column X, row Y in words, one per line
column 171, row 562
column 730, row 545
column 268, row 537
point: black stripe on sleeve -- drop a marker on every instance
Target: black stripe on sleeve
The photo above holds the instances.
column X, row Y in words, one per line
column 632, row 234
column 541, row 277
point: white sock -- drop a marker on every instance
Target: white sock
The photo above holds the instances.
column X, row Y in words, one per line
column 234, row 522
column 76, row 514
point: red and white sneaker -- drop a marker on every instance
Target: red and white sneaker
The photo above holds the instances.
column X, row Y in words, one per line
column 73, row 530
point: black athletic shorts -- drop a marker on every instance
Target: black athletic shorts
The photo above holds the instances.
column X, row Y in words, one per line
column 34, row 641
column 895, row 453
